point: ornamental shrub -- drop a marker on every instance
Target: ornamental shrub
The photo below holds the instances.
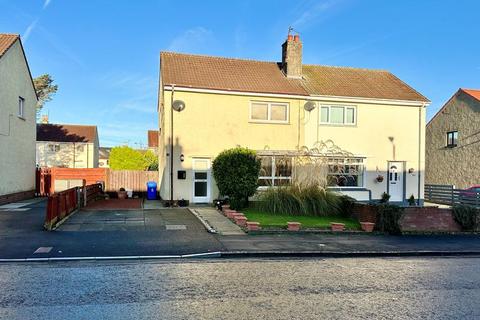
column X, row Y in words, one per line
column 388, row 218
column 297, row 199
column 467, row 216
column 236, row 174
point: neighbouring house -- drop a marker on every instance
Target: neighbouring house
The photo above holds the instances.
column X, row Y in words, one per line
column 104, row 157
column 67, row 146
column 153, row 141
column 368, row 124
column 18, row 102
column 453, row 141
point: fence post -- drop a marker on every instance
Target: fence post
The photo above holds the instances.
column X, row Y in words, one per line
column 453, row 198
column 84, row 193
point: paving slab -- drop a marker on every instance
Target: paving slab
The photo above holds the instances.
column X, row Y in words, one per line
column 219, row 222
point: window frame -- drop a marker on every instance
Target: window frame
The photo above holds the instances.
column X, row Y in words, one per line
column 53, row 147
column 360, row 161
column 269, row 112
column 21, row 108
column 273, row 177
column 454, row 139
column 345, row 108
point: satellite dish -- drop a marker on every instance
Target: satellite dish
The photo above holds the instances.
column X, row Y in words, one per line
column 309, row 106
column 178, row 105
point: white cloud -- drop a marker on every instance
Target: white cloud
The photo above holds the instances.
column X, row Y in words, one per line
column 191, row 40
column 46, row 3
column 29, row 30
column 313, row 13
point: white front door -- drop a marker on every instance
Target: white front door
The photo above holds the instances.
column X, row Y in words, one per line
column 395, row 181
column 201, row 180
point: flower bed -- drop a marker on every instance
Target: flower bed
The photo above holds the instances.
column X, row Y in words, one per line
column 268, row 220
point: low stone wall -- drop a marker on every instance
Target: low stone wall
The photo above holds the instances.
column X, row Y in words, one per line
column 18, row 196
column 428, row 219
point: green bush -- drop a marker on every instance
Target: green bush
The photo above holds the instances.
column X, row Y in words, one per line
column 236, row 174
column 388, row 218
column 347, row 205
column 300, row 200
column 466, row 216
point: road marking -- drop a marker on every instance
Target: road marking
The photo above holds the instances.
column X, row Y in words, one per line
column 13, row 205
column 43, row 250
column 15, row 209
column 176, row 227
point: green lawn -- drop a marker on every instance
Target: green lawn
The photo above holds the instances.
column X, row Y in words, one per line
column 269, row 220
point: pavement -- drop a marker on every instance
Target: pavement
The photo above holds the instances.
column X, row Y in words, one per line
column 164, row 232
column 373, row 288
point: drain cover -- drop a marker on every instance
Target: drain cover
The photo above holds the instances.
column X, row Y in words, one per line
column 176, row 227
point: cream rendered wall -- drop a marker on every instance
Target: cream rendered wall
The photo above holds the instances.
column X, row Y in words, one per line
column 212, row 123
column 369, row 138
column 70, row 155
column 17, row 136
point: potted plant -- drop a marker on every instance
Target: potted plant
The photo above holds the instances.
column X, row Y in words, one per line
column 122, row 194
column 411, row 200
column 385, row 198
column 379, row 178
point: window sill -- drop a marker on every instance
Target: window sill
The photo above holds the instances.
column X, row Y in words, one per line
column 337, row 125
column 268, row 122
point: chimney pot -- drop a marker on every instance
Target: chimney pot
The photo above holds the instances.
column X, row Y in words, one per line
column 296, row 38
column 290, row 37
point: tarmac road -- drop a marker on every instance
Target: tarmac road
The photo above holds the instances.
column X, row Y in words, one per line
column 386, row 288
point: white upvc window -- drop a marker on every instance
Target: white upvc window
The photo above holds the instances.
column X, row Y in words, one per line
column 53, row 147
column 21, row 107
column 275, row 171
column 346, row 172
column 338, row 115
column 269, row 112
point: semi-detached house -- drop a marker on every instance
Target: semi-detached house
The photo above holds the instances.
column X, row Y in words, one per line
column 369, row 124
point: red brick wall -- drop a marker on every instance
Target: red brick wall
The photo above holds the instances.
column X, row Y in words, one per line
column 430, row 219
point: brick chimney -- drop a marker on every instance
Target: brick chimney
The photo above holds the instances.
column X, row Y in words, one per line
column 292, row 56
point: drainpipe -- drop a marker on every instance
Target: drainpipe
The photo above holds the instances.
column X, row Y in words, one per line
column 419, row 151
column 171, row 145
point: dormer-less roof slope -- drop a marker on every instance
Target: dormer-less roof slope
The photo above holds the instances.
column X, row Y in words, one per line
column 217, row 73
column 6, row 41
column 66, row 133
column 358, row 83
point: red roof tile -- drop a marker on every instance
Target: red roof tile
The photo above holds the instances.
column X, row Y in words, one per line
column 6, row 41
column 207, row 72
column 473, row 93
column 66, row 133
column 218, row 73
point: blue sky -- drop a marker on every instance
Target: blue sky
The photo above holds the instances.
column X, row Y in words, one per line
column 104, row 55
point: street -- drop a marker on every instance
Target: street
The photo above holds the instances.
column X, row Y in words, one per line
column 398, row 288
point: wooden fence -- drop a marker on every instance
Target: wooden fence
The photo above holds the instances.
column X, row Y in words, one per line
column 447, row 194
column 129, row 179
column 62, row 204
column 112, row 180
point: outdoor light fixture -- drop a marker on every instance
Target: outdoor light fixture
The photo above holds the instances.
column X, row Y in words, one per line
column 309, row 106
column 182, row 157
